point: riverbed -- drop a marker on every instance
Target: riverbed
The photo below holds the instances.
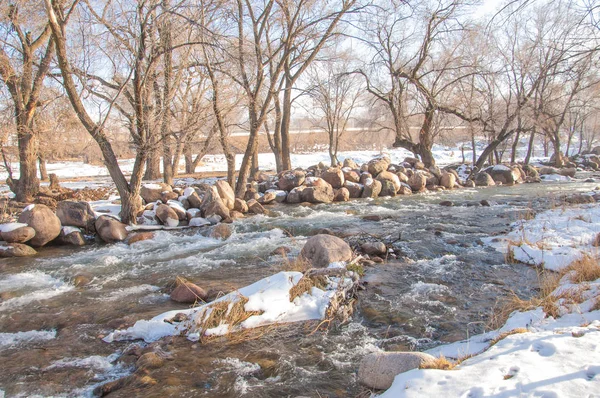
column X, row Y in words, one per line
column 440, row 288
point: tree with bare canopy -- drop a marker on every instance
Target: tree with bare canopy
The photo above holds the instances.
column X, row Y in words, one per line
column 26, row 52
column 131, row 202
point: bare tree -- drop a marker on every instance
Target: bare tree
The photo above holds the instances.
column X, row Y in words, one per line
column 335, row 93
column 415, row 62
column 131, row 202
column 26, row 52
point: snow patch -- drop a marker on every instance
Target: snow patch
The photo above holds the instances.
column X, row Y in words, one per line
column 11, row 226
column 269, row 296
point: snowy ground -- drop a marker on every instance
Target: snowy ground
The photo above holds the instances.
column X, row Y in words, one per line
column 548, row 357
column 269, row 297
column 443, row 155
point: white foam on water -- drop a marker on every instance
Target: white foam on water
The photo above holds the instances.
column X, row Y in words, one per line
column 422, row 288
column 38, row 295
column 122, row 293
column 36, row 286
column 238, row 366
column 95, row 362
column 33, row 279
column 9, row 340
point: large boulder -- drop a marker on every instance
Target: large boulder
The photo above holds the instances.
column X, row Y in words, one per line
column 405, row 190
column 76, row 214
column 153, row 192
column 216, row 207
column 447, row 180
column 16, row 250
column 226, row 193
column 568, row 172
column 372, row 188
column 318, row 194
column 544, row 171
column 18, row 235
column 291, row 179
column 321, row 250
column 316, row 182
column 350, row 163
column 391, row 177
column 374, row 248
column 43, row 220
column 387, row 188
column 212, row 204
column 378, row 370
column 71, row 236
column 503, row 174
column 178, row 208
column 354, row 189
column 483, row 179
column 240, row 205
column 531, row 171
column 140, row 237
column 341, row 195
column 110, row 229
column 414, row 163
column 188, row 293
column 378, row 165
column 334, row 176
column 221, row 231
column 417, row 182
column 268, row 198
column 194, row 200
column 255, row 207
column 167, row 215
column 351, row 175
column 295, row 195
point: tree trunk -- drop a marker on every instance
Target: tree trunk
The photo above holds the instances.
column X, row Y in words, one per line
column 189, row 159
column 43, row 170
column 286, row 160
column 153, row 164
column 558, row 158
column 530, row 147
column 131, row 202
column 513, row 154
column 255, row 168
column 276, row 147
column 244, row 174
column 474, row 145
column 425, row 141
column 28, row 184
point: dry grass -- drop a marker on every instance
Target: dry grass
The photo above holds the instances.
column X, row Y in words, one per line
column 298, row 264
column 226, row 312
column 573, row 295
column 548, row 282
column 585, row 269
column 357, row 268
column 527, row 214
column 596, row 305
column 440, row 363
column 6, row 215
column 504, row 335
column 579, row 271
column 305, row 284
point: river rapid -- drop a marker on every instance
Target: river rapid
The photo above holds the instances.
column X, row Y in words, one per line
column 441, row 288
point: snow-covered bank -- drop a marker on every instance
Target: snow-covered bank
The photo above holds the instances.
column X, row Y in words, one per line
column 543, row 356
column 553, row 239
column 266, row 302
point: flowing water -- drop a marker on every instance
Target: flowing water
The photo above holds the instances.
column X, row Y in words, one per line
column 440, row 289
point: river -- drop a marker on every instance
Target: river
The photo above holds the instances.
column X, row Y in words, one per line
column 440, row 288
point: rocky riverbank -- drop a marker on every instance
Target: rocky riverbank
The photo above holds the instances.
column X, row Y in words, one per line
column 211, row 207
